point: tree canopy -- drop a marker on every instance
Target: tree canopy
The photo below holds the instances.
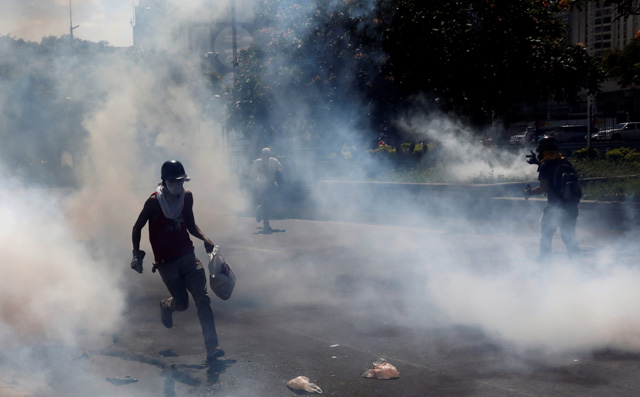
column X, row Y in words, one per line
column 624, row 65
column 477, row 59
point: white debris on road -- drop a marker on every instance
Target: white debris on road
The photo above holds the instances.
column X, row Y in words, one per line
column 382, row 370
column 302, row 383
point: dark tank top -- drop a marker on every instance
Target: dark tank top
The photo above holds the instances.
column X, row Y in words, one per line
column 169, row 238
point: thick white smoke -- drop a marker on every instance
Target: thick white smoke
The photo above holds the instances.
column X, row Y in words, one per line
column 53, row 286
column 63, row 253
column 566, row 306
column 145, row 119
column 65, row 250
column 561, row 308
column 461, row 151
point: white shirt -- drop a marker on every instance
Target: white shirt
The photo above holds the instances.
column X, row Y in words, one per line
column 265, row 173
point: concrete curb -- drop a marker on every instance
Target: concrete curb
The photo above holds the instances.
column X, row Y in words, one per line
column 373, row 201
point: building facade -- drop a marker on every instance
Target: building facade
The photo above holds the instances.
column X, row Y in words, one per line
column 600, row 28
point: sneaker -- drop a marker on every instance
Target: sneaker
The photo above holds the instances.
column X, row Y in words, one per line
column 214, row 352
column 165, row 316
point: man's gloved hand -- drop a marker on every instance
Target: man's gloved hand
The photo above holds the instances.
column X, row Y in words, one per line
column 208, row 246
column 532, row 159
column 136, row 262
column 527, row 192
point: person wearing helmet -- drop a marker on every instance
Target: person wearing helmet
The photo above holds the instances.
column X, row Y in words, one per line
column 266, row 170
column 169, row 211
column 558, row 213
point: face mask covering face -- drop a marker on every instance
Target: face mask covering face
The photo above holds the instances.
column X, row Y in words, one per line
column 175, row 187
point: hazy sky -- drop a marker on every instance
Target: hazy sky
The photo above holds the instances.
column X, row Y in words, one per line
column 99, row 20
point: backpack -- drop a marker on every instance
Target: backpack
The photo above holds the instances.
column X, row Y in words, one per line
column 567, row 184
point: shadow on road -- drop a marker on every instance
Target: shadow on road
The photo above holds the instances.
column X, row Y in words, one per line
column 269, row 231
column 188, row 374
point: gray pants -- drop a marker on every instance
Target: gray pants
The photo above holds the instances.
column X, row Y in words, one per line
column 187, row 274
column 559, row 216
column 266, row 197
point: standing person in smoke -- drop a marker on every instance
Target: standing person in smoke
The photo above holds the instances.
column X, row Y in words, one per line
column 561, row 211
column 267, row 171
column 169, row 211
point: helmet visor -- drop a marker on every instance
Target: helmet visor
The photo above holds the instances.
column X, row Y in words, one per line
column 182, row 177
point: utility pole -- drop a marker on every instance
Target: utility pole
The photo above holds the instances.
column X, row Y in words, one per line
column 132, row 22
column 234, row 41
column 71, row 27
column 590, row 46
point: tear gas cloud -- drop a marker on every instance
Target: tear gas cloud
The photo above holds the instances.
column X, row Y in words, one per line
column 64, row 250
column 464, row 157
column 53, row 287
column 99, row 124
column 569, row 306
column 137, row 113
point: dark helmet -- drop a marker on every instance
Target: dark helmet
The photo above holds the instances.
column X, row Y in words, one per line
column 173, row 169
column 546, row 143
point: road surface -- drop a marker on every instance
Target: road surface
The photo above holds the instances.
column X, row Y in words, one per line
column 327, row 299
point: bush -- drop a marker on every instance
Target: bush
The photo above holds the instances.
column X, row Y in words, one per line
column 627, row 189
column 406, row 148
column 633, row 157
column 623, row 154
column 586, row 153
column 384, row 150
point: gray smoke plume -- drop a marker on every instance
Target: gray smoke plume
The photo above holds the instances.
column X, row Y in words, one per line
column 65, row 251
column 50, row 292
column 85, row 131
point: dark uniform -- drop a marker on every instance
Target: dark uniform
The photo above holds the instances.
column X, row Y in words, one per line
column 557, row 213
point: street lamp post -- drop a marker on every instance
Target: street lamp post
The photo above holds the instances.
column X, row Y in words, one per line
column 234, row 41
column 71, row 27
column 590, row 32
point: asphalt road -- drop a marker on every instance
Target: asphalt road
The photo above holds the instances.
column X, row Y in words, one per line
column 325, row 300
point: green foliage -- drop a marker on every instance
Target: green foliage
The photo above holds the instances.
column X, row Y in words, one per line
column 632, row 157
column 43, row 115
column 588, row 153
column 621, row 178
column 627, row 189
column 419, row 175
column 623, row 154
column 50, row 91
column 605, row 168
column 624, row 64
column 383, row 151
column 406, row 148
column 333, row 56
column 304, row 55
column 467, row 71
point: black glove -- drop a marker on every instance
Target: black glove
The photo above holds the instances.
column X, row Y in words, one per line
column 527, row 192
column 533, row 159
column 136, row 262
column 208, row 246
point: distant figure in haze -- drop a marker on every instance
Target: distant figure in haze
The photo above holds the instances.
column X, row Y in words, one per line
column 267, row 171
column 562, row 206
column 169, row 211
